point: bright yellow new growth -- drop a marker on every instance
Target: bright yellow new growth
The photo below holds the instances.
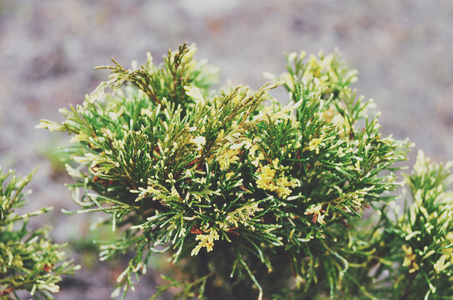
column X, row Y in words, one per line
column 229, row 156
column 267, row 181
column 409, row 259
column 275, row 113
column 243, row 214
column 199, row 141
column 446, row 260
column 316, row 210
column 314, row 145
column 52, row 126
column 266, row 177
column 206, row 240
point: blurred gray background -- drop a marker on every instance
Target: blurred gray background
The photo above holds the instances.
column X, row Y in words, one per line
column 403, row 51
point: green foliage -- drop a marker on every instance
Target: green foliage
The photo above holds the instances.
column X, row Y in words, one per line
column 28, row 259
column 421, row 240
column 251, row 198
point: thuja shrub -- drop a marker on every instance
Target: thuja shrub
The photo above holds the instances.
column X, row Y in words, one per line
column 29, row 260
column 251, row 198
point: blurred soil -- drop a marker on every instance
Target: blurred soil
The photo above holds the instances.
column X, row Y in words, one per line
column 48, row 51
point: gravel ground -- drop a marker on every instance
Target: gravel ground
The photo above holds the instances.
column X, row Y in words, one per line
column 48, row 49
